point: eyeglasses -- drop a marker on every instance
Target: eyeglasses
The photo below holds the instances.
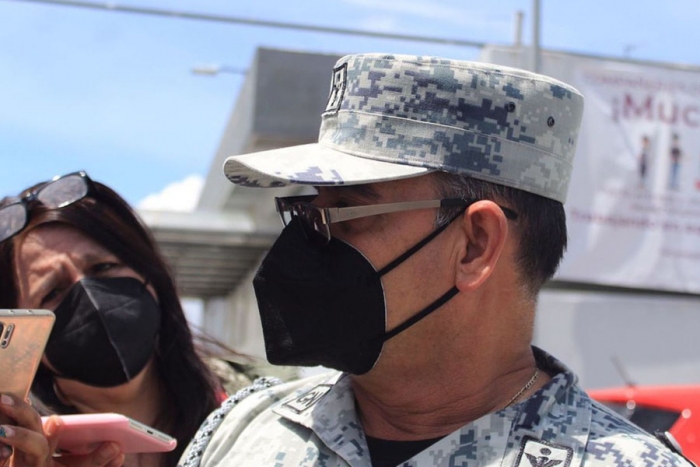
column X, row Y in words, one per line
column 316, row 220
column 55, row 194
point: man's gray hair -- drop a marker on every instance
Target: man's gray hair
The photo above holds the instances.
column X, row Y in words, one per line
column 540, row 227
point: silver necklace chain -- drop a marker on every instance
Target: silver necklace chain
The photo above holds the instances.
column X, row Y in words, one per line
column 527, row 386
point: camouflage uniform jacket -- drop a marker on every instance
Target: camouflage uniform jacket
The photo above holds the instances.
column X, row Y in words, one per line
column 313, row 422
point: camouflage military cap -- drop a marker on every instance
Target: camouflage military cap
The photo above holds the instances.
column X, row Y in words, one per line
column 396, row 116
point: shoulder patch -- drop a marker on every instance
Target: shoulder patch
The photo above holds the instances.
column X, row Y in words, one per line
column 535, row 453
column 308, row 399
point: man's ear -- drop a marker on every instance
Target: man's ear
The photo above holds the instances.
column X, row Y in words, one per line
column 484, row 230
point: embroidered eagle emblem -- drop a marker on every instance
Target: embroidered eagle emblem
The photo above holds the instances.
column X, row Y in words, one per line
column 536, row 453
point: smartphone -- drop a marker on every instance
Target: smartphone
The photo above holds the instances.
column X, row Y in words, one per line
column 82, row 433
column 23, row 337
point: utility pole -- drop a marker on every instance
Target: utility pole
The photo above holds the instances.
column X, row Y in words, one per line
column 535, row 65
column 518, row 33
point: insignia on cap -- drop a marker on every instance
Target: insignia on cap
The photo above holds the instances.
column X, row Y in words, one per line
column 339, row 82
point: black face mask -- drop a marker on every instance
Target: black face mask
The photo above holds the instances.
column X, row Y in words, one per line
column 324, row 305
column 105, row 331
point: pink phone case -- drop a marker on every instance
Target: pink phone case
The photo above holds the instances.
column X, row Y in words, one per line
column 82, row 433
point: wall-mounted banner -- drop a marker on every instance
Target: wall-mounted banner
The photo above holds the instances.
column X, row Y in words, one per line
column 633, row 208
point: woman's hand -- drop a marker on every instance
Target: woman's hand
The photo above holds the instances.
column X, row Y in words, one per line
column 26, row 443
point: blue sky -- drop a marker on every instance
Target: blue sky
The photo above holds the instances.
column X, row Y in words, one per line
column 112, row 93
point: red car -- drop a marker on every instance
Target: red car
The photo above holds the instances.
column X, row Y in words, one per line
column 675, row 409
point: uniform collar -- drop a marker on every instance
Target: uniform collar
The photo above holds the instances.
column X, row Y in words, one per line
column 526, row 434
column 329, row 411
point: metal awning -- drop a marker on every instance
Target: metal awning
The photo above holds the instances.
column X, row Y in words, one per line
column 216, row 247
column 209, row 253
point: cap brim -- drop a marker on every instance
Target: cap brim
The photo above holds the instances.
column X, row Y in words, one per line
column 312, row 164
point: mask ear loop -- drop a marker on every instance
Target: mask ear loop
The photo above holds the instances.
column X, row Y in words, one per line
column 418, row 245
column 437, row 303
column 148, row 282
column 156, row 349
column 419, row 316
column 59, row 394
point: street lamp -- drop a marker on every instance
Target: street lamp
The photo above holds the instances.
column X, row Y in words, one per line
column 212, row 70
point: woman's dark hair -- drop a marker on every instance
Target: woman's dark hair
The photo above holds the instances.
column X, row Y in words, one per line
column 107, row 219
column 540, row 226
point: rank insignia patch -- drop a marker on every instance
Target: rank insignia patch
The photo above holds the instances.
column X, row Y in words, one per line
column 308, row 399
column 534, row 453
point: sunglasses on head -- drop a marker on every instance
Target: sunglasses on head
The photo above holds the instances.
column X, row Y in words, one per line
column 54, row 194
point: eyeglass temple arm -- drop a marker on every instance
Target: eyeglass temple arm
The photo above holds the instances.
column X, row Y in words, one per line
column 332, row 215
column 355, row 212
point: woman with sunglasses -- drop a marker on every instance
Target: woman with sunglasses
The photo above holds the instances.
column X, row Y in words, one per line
column 121, row 342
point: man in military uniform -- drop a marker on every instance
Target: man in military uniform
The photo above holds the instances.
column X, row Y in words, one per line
column 414, row 271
